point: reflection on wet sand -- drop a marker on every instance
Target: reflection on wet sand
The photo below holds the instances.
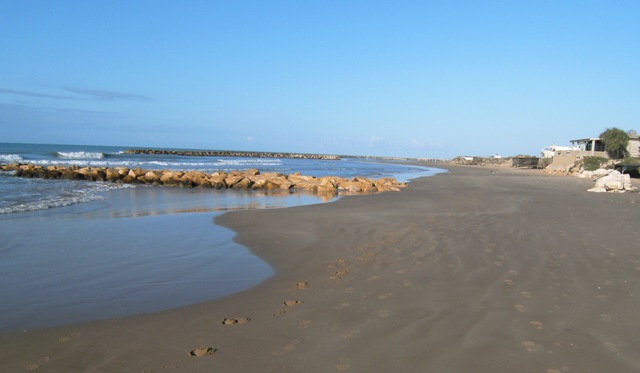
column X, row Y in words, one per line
column 151, row 201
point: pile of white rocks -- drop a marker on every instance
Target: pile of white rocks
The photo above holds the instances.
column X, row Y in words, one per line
column 610, row 181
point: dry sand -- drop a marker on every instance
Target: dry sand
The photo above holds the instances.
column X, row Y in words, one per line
column 475, row 270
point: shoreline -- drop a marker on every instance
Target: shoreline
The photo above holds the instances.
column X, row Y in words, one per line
column 470, row 270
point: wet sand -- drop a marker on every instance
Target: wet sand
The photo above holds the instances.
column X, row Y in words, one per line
column 475, row 270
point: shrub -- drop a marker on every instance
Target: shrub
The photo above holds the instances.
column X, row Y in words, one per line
column 593, row 163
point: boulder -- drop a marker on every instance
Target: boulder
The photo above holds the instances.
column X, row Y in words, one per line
column 244, row 183
column 171, row 178
column 217, row 181
column 151, row 177
column 613, row 181
column 113, row 174
column 232, row 179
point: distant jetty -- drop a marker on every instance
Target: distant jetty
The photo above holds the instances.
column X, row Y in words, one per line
column 230, row 153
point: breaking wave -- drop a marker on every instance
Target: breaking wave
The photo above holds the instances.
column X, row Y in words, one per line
column 80, row 155
column 10, row 158
column 64, row 193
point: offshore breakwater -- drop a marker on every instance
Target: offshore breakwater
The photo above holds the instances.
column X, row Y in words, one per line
column 240, row 180
column 231, row 153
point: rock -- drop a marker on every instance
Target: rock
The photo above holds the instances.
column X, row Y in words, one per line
column 286, row 185
column 151, row 177
column 113, row 174
column 597, row 190
column 613, row 181
column 244, row 183
column 171, row 178
column 217, row 181
column 232, row 180
column 309, row 186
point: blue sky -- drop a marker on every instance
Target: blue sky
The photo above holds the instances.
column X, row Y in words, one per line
column 402, row 78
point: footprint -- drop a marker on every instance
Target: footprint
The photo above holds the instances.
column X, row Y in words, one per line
column 302, row 285
column 339, row 274
column 202, row 351
column 304, row 324
column 383, row 313
column 536, row 324
column 529, row 345
column 279, row 313
column 525, row 294
column 350, row 334
column 407, row 283
column 519, row 307
column 342, row 306
column 37, row 365
column 344, row 364
column 240, row 320
column 293, row 303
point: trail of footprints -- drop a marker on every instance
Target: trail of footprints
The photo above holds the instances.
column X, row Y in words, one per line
column 338, row 270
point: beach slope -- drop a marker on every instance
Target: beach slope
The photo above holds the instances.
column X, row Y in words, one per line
column 474, row 270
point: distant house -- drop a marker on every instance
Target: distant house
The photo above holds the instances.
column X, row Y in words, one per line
column 556, row 151
column 589, row 147
column 595, row 147
column 592, row 146
column 634, row 144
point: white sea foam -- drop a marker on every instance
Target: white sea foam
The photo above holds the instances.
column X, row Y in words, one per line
column 10, row 158
column 93, row 192
column 81, row 155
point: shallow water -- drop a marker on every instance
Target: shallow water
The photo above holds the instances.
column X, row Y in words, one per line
column 140, row 250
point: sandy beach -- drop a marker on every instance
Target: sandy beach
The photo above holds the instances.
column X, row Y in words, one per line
column 474, row 270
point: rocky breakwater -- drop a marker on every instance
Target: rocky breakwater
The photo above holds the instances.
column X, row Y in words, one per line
column 239, row 180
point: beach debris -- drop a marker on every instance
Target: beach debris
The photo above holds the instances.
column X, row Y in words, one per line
column 202, row 351
column 613, row 181
column 251, row 179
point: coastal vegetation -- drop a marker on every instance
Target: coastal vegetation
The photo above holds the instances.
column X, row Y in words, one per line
column 615, row 142
column 593, row 163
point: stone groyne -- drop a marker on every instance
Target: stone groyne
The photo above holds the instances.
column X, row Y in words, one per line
column 239, row 180
column 229, row 153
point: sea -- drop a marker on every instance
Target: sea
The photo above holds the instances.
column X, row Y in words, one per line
column 74, row 251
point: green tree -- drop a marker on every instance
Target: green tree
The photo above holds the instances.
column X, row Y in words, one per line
column 615, row 142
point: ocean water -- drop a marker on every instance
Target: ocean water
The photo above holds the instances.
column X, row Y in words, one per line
column 74, row 251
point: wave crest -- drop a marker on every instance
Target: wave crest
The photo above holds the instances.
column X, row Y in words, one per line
column 80, row 155
column 10, row 158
